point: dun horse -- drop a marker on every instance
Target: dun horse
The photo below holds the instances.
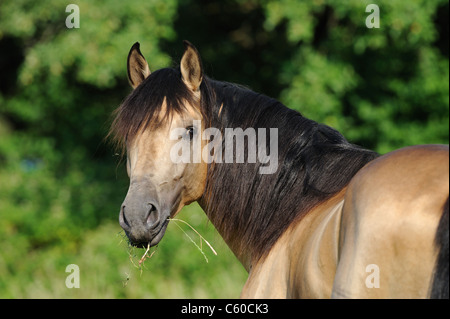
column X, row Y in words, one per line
column 332, row 220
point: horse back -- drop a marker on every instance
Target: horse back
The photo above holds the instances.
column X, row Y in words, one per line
column 392, row 209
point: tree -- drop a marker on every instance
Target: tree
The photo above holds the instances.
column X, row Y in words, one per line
column 383, row 88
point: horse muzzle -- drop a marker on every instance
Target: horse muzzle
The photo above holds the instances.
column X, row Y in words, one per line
column 143, row 222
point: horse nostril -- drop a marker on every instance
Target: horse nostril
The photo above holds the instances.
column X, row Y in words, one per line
column 152, row 216
column 123, row 220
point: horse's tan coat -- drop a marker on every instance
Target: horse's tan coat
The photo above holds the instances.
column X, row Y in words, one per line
column 390, row 218
column 387, row 217
column 303, row 261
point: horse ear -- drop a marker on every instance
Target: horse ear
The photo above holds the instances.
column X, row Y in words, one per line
column 191, row 67
column 137, row 66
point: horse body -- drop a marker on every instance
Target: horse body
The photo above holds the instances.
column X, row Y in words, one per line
column 391, row 213
column 333, row 220
column 360, row 227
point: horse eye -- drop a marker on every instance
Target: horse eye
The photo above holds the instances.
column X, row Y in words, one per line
column 190, row 132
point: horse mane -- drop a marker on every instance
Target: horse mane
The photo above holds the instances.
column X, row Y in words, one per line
column 316, row 162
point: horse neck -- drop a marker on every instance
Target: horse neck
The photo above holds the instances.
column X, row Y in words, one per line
column 251, row 210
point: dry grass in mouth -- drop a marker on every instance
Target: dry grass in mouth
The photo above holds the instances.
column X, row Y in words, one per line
column 132, row 254
column 146, row 255
column 149, row 254
column 202, row 239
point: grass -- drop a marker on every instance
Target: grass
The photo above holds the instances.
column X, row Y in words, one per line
column 148, row 255
column 202, row 239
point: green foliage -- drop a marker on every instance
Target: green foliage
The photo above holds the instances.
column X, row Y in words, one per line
column 383, row 88
column 61, row 185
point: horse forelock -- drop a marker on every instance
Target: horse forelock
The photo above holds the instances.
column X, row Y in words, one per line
column 150, row 105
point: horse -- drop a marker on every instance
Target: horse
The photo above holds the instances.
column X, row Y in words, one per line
column 330, row 219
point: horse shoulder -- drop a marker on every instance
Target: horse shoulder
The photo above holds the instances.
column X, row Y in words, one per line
column 314, row 252
column 302, row 263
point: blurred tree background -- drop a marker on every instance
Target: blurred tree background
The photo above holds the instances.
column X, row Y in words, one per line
column 61, row 184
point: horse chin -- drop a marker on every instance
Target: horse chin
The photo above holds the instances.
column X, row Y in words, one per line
column 155, row 238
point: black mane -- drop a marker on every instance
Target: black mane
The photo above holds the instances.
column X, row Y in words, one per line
column 315, row 162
